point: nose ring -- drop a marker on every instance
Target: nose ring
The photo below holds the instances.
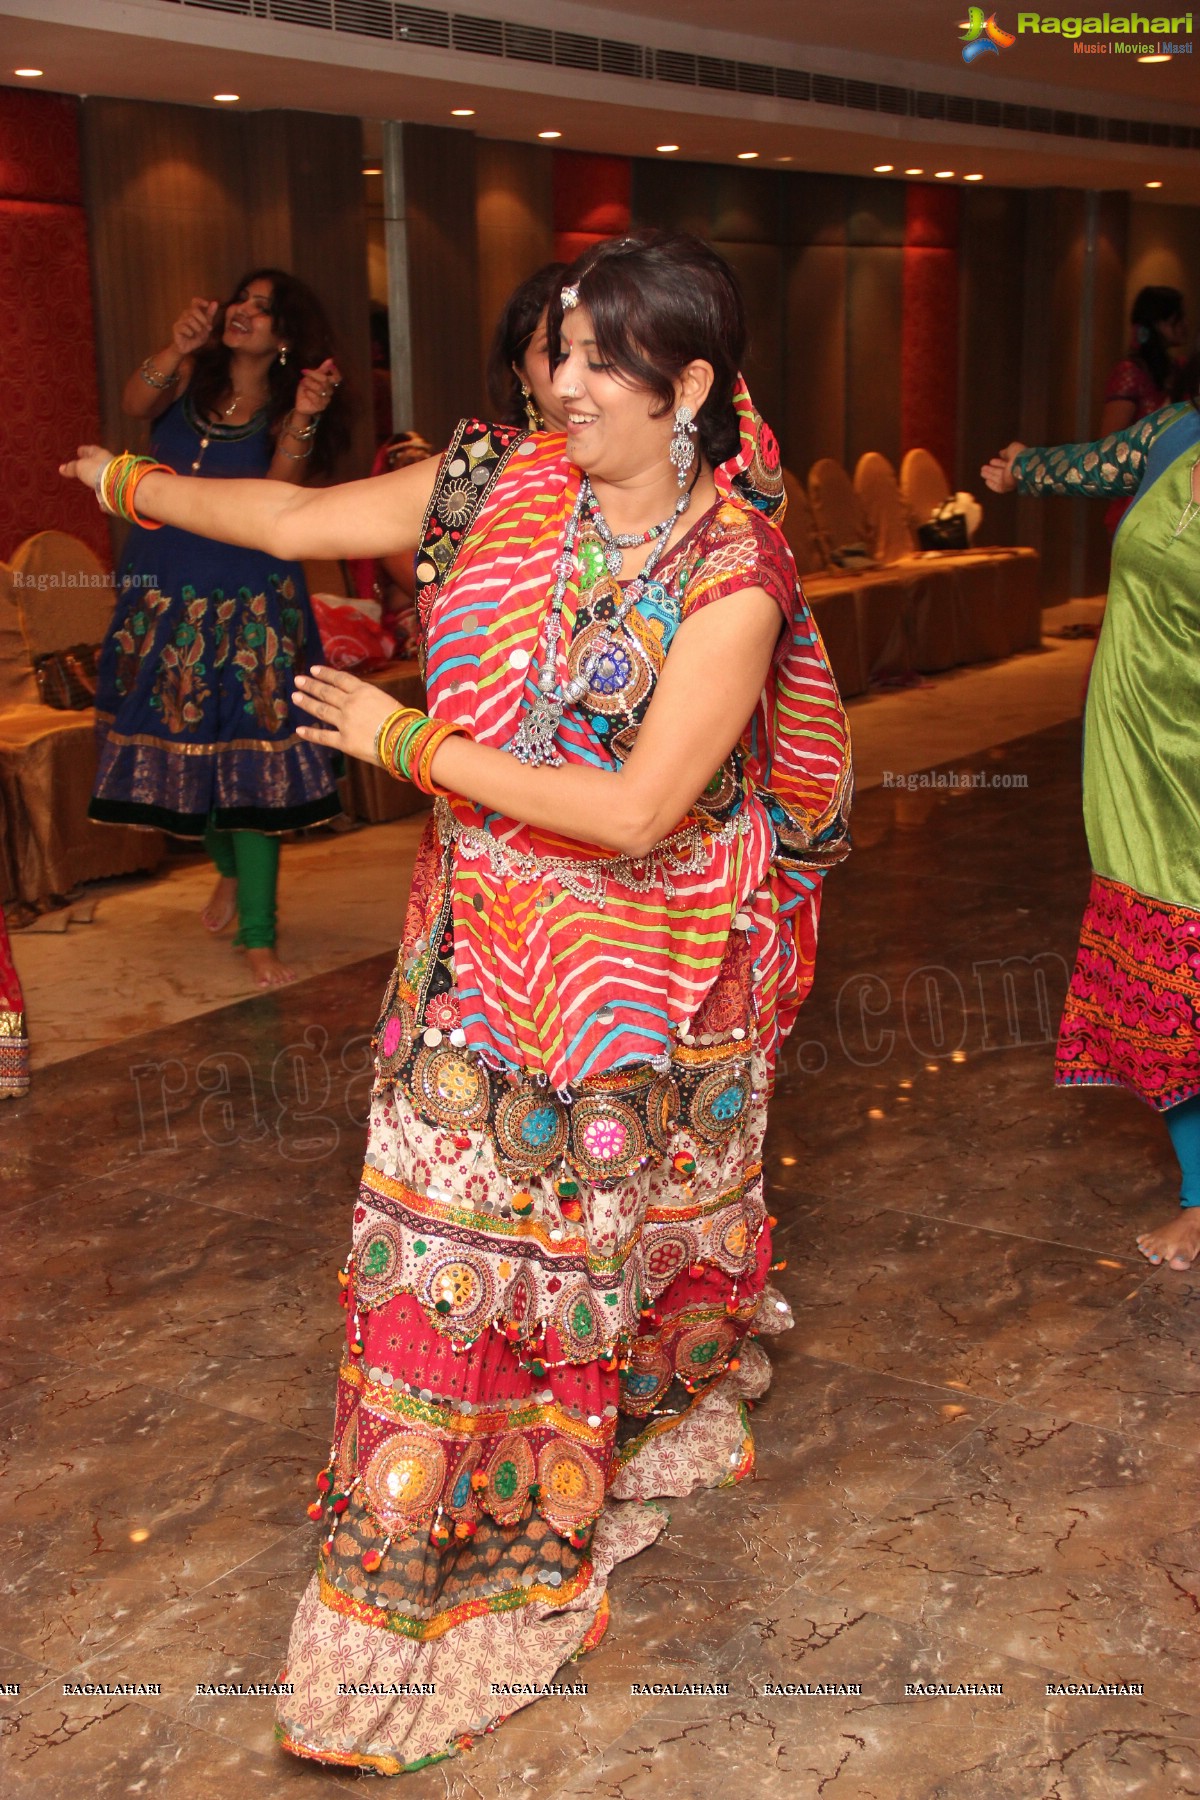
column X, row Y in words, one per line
column 570, row 393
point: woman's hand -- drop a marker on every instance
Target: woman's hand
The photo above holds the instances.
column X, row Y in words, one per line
column 351, row 711
column 89, row 460
column 316, row 388
column 193, row 328
column 998, row 473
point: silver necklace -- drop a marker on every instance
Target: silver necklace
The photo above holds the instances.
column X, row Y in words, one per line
column 615, row 542
column 534, row 743
column 1190, row 511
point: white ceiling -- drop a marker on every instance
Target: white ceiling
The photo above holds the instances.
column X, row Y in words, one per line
column 927, row 32
column 147, row 49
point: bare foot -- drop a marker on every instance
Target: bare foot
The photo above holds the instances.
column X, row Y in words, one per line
column 1176, row 1244
column 267, row 969
column 222, row 904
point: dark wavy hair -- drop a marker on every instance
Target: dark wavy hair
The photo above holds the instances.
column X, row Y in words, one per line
column 514, row 328
column 1155, row 306
column 660, row 300
column 299, row 319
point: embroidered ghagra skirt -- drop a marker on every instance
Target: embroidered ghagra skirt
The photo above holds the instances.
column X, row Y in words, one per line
column 1132, row 1015
column 527, row 1370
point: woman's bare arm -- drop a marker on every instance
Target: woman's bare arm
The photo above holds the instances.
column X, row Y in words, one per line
column 141, row 399
column 708, row 689
column 380, row 516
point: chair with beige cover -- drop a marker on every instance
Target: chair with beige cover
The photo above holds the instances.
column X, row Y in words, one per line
column 1005, row 614
column 884, row 599
column 55, row 595
column 938, row 595
column 923, row 485
column 830, row 593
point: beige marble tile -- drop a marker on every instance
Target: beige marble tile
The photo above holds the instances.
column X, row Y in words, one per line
column 111, row 1748
column 967, row 710
column 1138, row 1372
column 125, row 1500
column 943, row 1303
column 1043, row 1540
column 145, row 961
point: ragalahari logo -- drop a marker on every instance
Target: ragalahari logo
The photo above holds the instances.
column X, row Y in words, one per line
column 982, row 36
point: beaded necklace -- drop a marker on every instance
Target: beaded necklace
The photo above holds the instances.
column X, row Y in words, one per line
column 535, row 743
column 616, row 541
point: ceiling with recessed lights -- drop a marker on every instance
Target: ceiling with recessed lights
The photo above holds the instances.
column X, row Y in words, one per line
column 733, row 100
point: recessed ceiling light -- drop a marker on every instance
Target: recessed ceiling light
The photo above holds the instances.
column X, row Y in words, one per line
column 372, row 169
column 884, row 168
column 29, row 74
column 972, row 177
column 665, row 149
column 943, row 174
column 549, row 134
column 1155, row 57
column 783, row 159
column 225, row 99
column 1154, row 184
column 462, row 112
column 914, row 171
column 747, row 155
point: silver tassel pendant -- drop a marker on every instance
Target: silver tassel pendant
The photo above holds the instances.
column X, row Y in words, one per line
column 534, row 743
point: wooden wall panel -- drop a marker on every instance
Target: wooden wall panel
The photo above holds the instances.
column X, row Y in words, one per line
column 514, row 220
column 447, row 370
column 1163, row 251
column 672, row 196
column 167, row 218
column 874, row 288
column 744, row 206
column 875, row 212
column 759, row 269
column 814, row 420
column 183, row 200
column 991, row 278
column 814, row 208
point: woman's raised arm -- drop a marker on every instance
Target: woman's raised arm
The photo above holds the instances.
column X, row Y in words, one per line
column 707, row 692
column 379, row 516
column 1111, row 465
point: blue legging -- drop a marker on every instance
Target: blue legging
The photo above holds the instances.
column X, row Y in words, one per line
column 1183, row 1123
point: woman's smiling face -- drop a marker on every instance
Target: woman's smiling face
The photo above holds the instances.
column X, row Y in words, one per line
column 248, row 323
column 611, row 432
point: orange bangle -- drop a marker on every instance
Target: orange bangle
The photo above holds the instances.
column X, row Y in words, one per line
column 423, row 778
column 131, row 511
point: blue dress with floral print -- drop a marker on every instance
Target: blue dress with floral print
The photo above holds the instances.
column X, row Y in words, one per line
column 194, row 710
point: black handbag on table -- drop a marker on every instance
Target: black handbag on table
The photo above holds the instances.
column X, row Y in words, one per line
column 946, row 530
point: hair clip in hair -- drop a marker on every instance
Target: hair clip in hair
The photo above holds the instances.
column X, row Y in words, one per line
column 570, row 298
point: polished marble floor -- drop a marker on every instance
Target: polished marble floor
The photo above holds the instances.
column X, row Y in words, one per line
column 977, row 1465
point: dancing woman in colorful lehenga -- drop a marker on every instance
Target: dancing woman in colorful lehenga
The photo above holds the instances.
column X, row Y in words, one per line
column 1132, row 1017
column 14, row 1040
column 560, row 1248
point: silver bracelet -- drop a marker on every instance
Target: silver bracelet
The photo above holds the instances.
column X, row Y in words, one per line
column 154, row 377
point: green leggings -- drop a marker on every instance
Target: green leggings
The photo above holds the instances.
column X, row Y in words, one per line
column 252, row 860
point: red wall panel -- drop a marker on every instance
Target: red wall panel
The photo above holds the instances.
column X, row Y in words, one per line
column 592, row 194
column 929, row 325
column 47, row 345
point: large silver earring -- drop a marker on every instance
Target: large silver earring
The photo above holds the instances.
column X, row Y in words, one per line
column 536, row 421
column 283, row 356
column 683, row 444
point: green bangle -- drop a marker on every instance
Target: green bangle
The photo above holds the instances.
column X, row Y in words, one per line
column 402, row 748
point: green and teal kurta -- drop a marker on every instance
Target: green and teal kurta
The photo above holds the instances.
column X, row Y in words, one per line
column 1132, row 1016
